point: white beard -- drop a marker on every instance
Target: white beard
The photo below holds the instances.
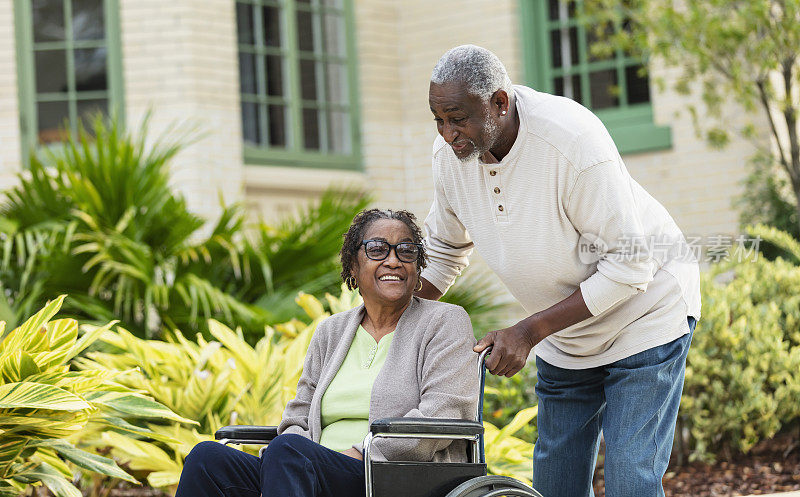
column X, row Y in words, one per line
column 491, row 131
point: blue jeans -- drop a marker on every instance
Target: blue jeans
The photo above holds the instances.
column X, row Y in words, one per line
column 634, row 401
column 291, row 465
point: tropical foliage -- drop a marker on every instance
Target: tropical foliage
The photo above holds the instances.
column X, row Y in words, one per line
column 45, row 407
column 743, row 370
column 227, row 381
column 504, row 397
column 506, row 454
column 97, row 219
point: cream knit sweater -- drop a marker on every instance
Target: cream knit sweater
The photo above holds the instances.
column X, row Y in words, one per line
column 559, row 212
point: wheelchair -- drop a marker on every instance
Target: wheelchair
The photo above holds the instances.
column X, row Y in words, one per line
column 415, row 479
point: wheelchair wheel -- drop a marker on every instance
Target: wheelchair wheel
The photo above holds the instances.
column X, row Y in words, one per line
column 493, row 486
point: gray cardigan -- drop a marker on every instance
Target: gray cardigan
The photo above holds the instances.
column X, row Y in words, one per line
column 430, row 372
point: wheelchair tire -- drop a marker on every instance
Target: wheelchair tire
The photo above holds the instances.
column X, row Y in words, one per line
column 493, row 486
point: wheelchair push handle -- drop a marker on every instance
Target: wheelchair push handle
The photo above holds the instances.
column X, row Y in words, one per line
column 482, row 359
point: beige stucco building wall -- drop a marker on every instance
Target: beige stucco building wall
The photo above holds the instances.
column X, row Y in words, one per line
column 180, row 61
column 694, row 182
column 10, row 146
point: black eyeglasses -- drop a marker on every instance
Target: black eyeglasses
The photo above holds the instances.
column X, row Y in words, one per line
column 378, row 250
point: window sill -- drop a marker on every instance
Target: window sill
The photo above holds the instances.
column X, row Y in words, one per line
column 641, row 138
column 634, row 131
column 291, row 180
column 260, row 157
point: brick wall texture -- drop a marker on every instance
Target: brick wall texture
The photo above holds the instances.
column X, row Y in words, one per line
column 10, row 144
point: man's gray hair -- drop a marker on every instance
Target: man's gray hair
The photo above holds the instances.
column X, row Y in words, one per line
column 477, row 68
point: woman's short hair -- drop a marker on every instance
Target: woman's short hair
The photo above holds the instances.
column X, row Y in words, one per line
column 355, row 235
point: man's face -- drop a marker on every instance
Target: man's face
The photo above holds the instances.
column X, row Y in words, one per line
column 463, row 120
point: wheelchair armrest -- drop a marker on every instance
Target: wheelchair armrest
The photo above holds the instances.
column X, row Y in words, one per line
column 246, row 432
column 426, row 426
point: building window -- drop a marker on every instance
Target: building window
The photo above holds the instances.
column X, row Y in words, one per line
column 69, row 65
column 297, row 82
column 558, row 60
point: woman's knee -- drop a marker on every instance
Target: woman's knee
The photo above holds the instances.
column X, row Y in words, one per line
column 287, row 443
column 203, row 455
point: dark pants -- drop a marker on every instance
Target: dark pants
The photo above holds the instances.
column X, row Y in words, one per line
column 291, row 466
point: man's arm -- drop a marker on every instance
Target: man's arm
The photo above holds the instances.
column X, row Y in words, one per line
column 429, row 291
column 511, row 346
column 601, row 205
column 447, row 245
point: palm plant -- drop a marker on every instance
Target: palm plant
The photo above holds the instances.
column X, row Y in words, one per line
column 98, row 220
column 487, row 304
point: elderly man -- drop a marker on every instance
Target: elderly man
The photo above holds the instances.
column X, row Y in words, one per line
column 536, row 184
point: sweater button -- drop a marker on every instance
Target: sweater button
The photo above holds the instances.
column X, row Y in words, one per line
column 492, row 173
column 500, row 208
column 496, row 190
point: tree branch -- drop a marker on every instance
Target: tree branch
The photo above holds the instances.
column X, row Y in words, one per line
column 762, row 93
column 790, row 115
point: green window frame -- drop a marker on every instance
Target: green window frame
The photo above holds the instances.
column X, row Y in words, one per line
column 572, row 70
column 90, row 79
column 298, row 83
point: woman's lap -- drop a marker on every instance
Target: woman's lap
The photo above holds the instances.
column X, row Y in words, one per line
column 291, row 465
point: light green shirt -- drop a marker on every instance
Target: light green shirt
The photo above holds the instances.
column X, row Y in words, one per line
column 345, row 404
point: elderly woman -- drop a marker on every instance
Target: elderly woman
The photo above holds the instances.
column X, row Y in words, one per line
column 395, row 355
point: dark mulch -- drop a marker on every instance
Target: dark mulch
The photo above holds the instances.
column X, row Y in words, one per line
column 772, row 466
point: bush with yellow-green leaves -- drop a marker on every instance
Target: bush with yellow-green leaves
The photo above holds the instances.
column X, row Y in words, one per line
column 743, row 369
column 45, row 406
column 226, row 381
column 216, row 383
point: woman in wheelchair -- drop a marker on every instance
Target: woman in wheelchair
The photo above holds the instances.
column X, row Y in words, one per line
column 396, row 355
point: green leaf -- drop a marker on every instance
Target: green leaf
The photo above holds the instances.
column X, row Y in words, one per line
column 86, row 460
column 91, row 334
column 136, row 405
column 52, row 479
column 162, row 479
column 32, row 327
column 19, row 366
column 39, row 396
column 521, row 419
column 49, row 456
column 115, row 423
column 8, row 490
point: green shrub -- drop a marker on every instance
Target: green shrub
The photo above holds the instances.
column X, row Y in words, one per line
column 743, row 369
column 45, row 407
column 227, row 381
column 767, row 198
column 505, row 397
column 97, row 219
column 506, row 454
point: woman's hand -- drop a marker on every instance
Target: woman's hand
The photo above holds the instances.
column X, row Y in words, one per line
column 353, row 453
